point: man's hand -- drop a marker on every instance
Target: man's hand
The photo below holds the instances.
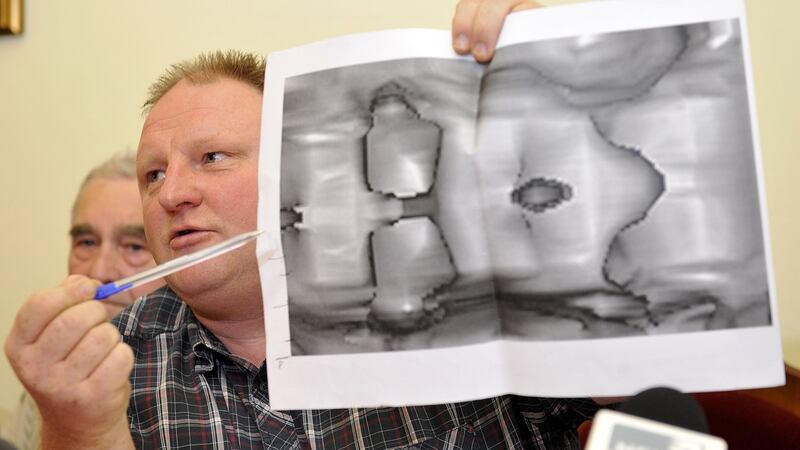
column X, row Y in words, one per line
column 76, row 368
column 477, row 25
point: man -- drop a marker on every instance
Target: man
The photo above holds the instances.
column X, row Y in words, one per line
column 107, row 234
column 107, row 244
column 198, row 377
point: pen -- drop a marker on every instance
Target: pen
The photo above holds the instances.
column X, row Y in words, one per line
column 172, row 266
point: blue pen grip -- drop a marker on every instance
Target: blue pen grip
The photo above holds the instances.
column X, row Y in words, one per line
column 107, row 290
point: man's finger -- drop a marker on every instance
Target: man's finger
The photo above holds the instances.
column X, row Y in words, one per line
column 477, row 24
column 462, row 25
column 44, row 306
column 64, row 332
column 90, row 352
column 114, row 371
column 488, row 22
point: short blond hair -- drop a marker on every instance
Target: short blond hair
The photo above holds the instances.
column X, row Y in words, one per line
column 207, row 67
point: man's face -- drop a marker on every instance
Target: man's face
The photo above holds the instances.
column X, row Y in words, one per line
column 197, row 167
column 108, row 240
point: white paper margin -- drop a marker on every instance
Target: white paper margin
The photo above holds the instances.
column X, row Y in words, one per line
column 692, row 362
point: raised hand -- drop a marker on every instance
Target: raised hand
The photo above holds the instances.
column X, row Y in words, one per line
column 76, row 368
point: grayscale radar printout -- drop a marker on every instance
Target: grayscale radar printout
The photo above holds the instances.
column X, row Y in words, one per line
column 582, row 216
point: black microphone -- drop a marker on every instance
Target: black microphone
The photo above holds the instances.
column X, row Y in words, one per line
column 5, row 445
column 666, row 405
column 655, row 419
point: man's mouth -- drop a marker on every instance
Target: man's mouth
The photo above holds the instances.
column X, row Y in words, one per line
column 183, row 233
column 186, row 237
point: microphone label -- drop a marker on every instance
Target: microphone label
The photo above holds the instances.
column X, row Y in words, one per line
column 612, row 430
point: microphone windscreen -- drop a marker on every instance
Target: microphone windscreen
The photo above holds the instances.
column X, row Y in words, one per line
column 668, row 406
column 5, row 445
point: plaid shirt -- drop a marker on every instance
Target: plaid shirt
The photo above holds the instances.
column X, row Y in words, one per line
column 190, row 392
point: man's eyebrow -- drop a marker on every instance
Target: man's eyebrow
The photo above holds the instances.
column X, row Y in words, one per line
column 81, row 228
column 131, row 231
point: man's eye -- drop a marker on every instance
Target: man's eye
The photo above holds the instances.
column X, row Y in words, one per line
column 85, row 242
column 136, row 253
column 212, row 157
column 154, row 175
column 135, row 247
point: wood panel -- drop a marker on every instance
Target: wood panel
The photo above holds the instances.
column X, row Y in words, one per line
column 787, row 396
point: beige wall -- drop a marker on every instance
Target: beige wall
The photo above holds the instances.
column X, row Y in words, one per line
column 70, row 89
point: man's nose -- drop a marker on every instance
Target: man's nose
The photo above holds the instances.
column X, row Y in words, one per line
column 179, row 188
column 106, row 265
